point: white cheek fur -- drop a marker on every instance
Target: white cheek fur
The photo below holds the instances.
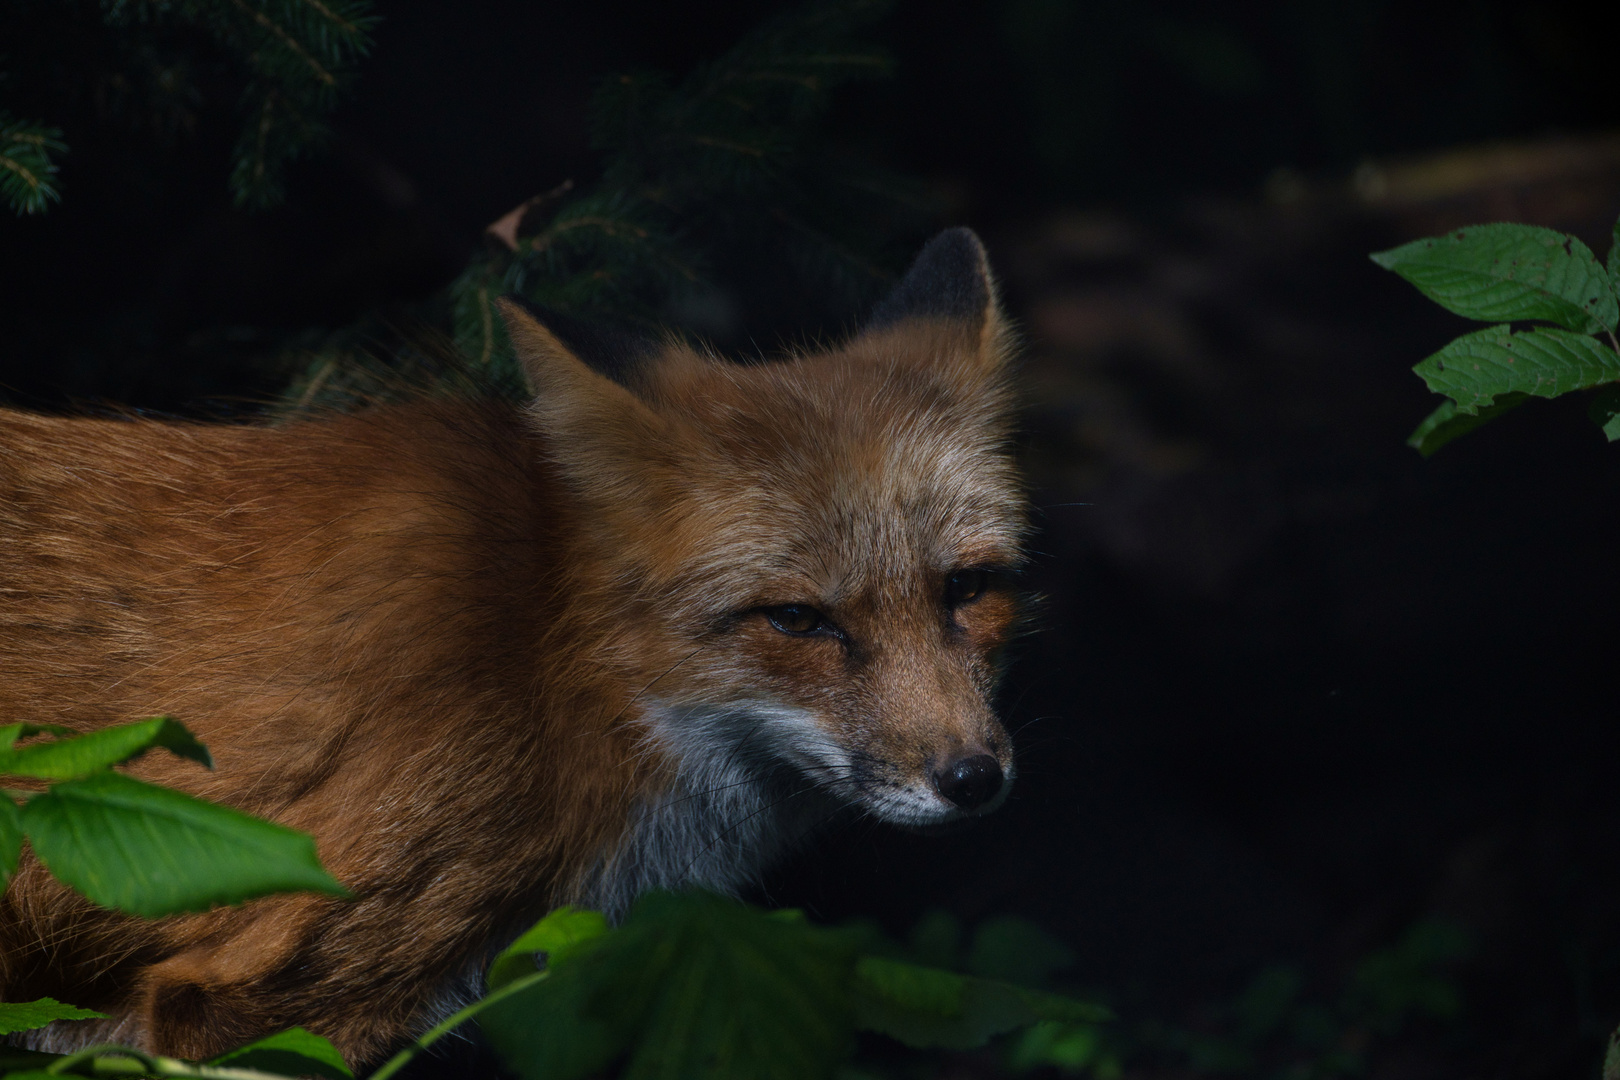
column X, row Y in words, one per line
column 751, row 778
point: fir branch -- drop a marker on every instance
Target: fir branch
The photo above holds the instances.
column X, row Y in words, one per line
column 286, row 39
column 26, row 167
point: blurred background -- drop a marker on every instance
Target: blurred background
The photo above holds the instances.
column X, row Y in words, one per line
column 1318, row 739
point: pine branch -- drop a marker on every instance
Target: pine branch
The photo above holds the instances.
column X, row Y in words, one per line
column 724, row 159
column 26, row 167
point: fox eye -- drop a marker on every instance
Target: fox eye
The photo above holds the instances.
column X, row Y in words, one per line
column 965, row 585
column 796, row 619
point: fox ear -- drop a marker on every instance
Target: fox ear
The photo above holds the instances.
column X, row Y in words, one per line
column 949, row 279
column 599, row 431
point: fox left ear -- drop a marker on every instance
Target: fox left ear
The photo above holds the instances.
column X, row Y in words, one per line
column 949, row 279
column 600, row 432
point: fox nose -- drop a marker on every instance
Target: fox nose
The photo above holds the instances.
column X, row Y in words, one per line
column 969, row 782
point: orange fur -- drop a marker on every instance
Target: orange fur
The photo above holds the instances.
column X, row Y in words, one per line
column 496, row 660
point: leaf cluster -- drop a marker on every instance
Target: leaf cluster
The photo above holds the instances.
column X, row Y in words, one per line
column 133, row 846
column 694, row 985
column 1273, row 1029
column 293, row 57
column 1506, row 274
column 145, row 850
column 282, row 1056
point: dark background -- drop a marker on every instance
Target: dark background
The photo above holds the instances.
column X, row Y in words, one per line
column 1297, row 689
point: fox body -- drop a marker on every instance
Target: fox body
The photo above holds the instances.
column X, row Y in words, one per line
column 643, row 632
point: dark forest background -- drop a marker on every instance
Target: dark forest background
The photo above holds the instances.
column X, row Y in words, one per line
column 1298, row 691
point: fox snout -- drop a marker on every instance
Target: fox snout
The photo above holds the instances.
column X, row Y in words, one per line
column 973, row 782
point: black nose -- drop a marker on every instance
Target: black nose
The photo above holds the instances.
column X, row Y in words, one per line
column 970, row 782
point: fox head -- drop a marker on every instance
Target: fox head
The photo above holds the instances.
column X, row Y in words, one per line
column 811, row 556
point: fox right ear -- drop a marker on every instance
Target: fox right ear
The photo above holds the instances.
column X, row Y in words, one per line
column 949, row 279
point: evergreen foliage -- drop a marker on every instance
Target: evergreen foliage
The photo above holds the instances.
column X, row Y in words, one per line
column 293, row 57
column 26, row 166
column 720, row 168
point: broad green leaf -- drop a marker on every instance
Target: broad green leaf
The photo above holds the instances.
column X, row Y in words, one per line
column 11, row 838
column 1614, row 258
column 555, row 936
column 547, row 1032
column 928, row 1007
column 1446, row 423
column 691, row 986
column 28, row 1015
column 80, row 755
column 10, row 733
column 1070, row 1047
column 1017, row 951
column 1605, row 411
column 294, row 1052
column 1475, row 368
column 152, row 851
column 1508, row 273
column 936, row 939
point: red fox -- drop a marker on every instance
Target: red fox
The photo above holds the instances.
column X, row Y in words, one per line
column 643, row 632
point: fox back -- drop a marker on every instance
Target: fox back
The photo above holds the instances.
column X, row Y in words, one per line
column 643, row 632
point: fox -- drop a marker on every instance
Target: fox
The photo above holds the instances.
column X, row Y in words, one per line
column 648, row 629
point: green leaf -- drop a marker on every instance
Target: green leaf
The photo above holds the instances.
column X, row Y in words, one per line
column 18, row 1064
column 1605, row 411
column 153, row 851
column 1446, row 423
column 691, row 986
column 1476, row 367
column 80, row 755
column 1051, row 1043
column 294, row 1052
column 936, row 940
column 554, row 937
column 1016, row 950
column 11, row 838
column 1507, row 273
column 928, row 1007
column 28, row 1015
column 1614, row 259
column 10, row 733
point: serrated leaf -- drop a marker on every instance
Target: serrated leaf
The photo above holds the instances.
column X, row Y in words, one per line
column 691, row 986
column 28, row 1015
column 1475, row 368
column 1508, row 273
column 1605, row 411
column 11, row 838
column 294, row 1052
column 80, row 755
column 929, row 1007
column 153, row 851
column 555, row 936
column 1446, row 423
